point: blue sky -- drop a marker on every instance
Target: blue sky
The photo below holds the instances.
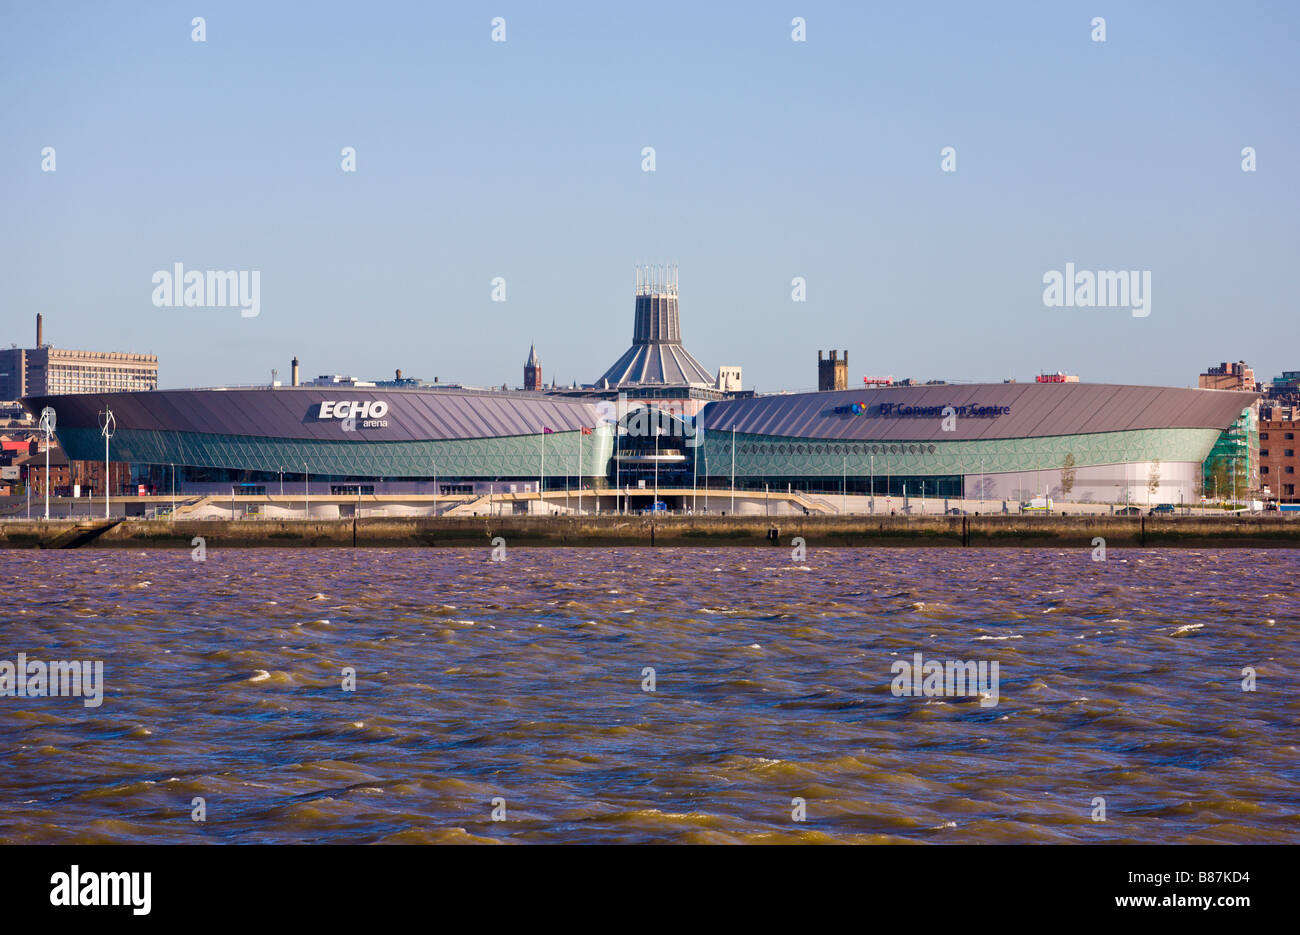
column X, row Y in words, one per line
column 774, row 159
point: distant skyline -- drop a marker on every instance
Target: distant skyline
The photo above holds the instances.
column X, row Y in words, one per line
column 521, row 161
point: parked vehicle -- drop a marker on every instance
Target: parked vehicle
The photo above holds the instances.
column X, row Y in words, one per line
column 1128, row 511
column 1037, row 505
column 1162, row 509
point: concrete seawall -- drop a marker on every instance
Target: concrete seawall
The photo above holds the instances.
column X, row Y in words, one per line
column 818, row 531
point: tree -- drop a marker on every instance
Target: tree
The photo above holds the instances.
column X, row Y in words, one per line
column 1153, row 479
column 1067, row 475
column 1220, row 479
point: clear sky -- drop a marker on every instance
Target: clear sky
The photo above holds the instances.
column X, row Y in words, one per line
column 774, row 159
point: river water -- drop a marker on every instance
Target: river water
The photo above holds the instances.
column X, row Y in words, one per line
column 509, row 701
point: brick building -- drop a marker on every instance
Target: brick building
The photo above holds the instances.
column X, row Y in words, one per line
column 64, row 474
column 1228, row 376
column 1279, row 427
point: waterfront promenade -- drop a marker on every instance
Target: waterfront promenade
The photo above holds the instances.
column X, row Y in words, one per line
column 817, row 531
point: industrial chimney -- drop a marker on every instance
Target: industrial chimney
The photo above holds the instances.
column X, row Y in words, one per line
column 40, row 330
column 294, row 379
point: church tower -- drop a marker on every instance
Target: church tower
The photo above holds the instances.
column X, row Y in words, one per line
column 533, row 370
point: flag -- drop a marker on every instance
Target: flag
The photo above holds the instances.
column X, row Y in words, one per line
column 586, row 431
column 546, row 431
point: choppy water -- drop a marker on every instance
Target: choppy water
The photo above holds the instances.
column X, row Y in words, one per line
column 523, row 680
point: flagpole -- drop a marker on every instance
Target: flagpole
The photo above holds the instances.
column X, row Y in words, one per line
column 733, row 470
column 618, row 466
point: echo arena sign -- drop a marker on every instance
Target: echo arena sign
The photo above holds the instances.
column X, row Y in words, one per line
column 366, row 414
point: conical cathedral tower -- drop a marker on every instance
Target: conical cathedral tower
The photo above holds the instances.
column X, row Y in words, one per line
column 656, row 355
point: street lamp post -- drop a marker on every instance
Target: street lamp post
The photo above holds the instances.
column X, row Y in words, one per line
column 873, row 485
column 655, row 506
column 47, row 426
column 695, row 479
column 306, row 493
column 106, row 429
column 705, row 444
column 173, row 467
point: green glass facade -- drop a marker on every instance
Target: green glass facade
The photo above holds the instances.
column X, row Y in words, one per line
column 1229, row 470
column 516, row 457
column 765, row 455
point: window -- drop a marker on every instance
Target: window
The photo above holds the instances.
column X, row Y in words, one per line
column 1263, row 436
column 1288, row 490
column 1264, row 469
column 1289, row 435
column 1288, row 452
column 1263, row 452
column 1290, row 469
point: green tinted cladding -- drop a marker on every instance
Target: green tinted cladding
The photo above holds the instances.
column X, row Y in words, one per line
column 515, row 456
column 772, row 455
column 756, row 455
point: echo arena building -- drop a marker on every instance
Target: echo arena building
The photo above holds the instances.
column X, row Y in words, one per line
column 657, row 418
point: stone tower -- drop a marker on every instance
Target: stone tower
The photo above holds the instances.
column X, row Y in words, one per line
column 833, row 374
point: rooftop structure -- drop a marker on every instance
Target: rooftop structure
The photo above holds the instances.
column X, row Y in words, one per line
column 1228, row 376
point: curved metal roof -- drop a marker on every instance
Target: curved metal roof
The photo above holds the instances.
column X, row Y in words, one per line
column 293, row 412
column 914, row 413
column 669, row 364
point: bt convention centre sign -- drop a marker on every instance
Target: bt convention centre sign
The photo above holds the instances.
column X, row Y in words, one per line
column 903, row 411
